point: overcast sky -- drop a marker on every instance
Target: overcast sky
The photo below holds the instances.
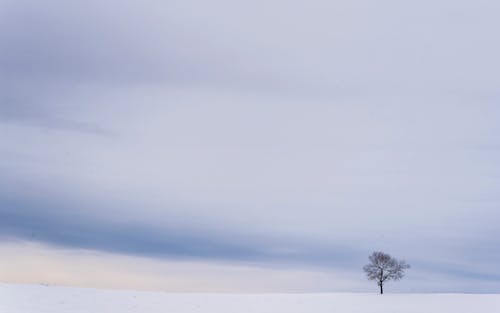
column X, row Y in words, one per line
column 249, row 146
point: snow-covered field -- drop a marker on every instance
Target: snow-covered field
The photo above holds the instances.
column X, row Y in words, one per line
column 39, row 299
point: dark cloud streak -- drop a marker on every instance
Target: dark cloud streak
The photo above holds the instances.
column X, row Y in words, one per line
column 64, row 226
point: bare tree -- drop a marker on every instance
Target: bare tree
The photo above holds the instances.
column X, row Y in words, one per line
column 383, row 267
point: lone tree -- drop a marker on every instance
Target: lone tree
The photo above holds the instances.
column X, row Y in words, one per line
column 383, row 267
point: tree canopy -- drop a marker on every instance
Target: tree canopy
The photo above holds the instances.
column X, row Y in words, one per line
column 384, row 267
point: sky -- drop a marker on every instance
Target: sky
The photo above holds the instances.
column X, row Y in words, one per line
column 249, row 146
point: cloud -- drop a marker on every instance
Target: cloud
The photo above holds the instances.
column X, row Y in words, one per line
column 285, row 133
column 68, row 226
column 202, row 182
column 34, row 263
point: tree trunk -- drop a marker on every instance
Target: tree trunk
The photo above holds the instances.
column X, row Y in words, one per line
column 381, row 288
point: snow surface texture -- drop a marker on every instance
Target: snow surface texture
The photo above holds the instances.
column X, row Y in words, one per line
column 40, row 299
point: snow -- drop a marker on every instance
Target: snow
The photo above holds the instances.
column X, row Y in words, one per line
column 39, row 299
